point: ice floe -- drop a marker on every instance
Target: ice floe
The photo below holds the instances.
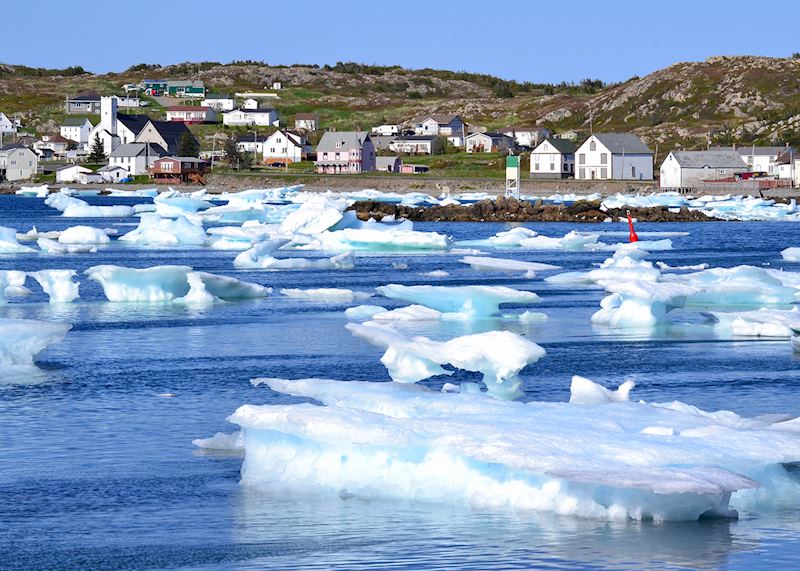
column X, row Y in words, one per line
column 474, row 301
column 22, row 339
column 57, row 284
column 326, row 294
column 9, row 243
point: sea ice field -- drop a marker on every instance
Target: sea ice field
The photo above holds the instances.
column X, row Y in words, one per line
column 261, row 380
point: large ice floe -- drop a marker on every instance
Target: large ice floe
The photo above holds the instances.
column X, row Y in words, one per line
column 599, row 456
column 9, row 243
column 71, row 207
column 780, row 323
column 83, row 235
column 498, row 355
column 505, row 265
column 12, row 284
column 573, row 241
column 57, row 284
column 170, row 283
column 260, row 256
column 466, row 301
column 22, row 339
column 155, row 230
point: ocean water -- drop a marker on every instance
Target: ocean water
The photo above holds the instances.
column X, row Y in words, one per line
column 97, row 468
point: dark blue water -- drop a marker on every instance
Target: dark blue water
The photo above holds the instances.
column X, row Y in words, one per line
column 97, row 469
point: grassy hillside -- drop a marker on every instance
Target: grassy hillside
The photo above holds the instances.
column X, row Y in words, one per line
column 726, row 99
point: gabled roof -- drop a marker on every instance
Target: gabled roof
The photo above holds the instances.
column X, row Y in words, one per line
column 259, row 110
column 563, row 146
column 490, row 134
column 748, row 150
column 138, row 150
column 619, row 143
column 12, row 146
column 414, row 138
column 383, row 162
column 170, row 130
column 440, row 119
column 189, row 108
column 109, row 168
column 57, row 139
column 79, row 168
column 88, row 96
column 133, row 122
column 333, row 141
column 251, row 138
column 184, row 159
column 74, row 122
column 713, row 159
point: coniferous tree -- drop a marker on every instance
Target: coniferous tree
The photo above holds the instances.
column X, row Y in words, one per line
column 97, row 153
column 231, row 150
column 188, row 146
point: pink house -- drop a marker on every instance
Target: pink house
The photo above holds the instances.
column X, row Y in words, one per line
column 345, row 152
column 190, row 114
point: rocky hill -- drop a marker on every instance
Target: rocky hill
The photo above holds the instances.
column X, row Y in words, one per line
column 724, row 99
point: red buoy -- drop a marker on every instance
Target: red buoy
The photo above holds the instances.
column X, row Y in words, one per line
column 632, row 237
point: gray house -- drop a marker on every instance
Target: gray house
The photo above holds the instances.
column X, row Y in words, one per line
column 84, row 104
column 688, row 169
column 617, row 156
column 388, row 164
column 17, row 162
column 340, row 152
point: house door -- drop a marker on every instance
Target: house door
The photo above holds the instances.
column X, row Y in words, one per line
column 594, row 174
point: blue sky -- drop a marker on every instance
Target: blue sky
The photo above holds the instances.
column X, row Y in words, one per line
column 535, row 40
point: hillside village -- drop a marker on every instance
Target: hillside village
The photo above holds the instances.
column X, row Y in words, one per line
column 246, row 118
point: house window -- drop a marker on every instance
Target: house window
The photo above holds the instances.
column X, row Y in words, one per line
column 552, row 166
column 603, row 158
column 581, row 173
column 592, row 146
column 603, row 172
column 582, row 159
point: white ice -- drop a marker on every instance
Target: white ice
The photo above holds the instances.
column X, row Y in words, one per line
column 791, row 254
column 37, row 191
column 364, row 312
column 374, row 239
column 326, row 294
column 52, row 247
column 57, row 284
column 614, row 460
column 76, row 208
column 317, row 214
column 505, row 265
column 155, row 230
column 498, row 355
column 22, row 339
column 12, row 284
column 781, row 323
column 260, row 255
column 474, row 301
column 9, row 243
column 83, row 235
column 170, row 283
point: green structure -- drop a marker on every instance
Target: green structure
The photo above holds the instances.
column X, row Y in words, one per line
column 512, row 176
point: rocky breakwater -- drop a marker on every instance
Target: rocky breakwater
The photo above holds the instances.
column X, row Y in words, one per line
column 511, row 210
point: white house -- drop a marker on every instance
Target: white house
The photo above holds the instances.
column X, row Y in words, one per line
column 415, row 144
column 218, row 102
column 17, row 162
column 617, row 156
column 8, row 126
column 526, row 136
column 553, row 158
column 55, row 143
column 688, row 169
column 71, row 173
column 76, row 129
column 136, row 158
column 250, row 103
column 306, row 121
column 759, row 159
column 191, row 114
column 444, row 125
column 283, row 146
column 115, row 128
column 113, row 173
column 386, row 130
column 250, row 117
column 345, row 152
column 488, row 143
column 251, row 144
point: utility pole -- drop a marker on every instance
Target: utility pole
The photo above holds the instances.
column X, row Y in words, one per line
column 255, row 145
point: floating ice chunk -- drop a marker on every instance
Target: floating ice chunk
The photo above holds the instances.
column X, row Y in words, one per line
column 383, row 240
column 695, row 267
column 572, row 241
column 327, row 294
column 499, row 355
column 157, row 283
column 52, row 247
column 12, row 284
column 533, row 317
column 363, row 312
column 168, row 283
column 760, row 323
column 36, row 191
column 57, row 284
column 791, row 254
column 33, row 234
column 83, row 235
column 437, row 274
column 76, row 208
column 9, row 243
column 640, row 303
column 221, row 441
column 741, row 285
column 409, row 313
column 505, row 265
column 476, row 301
column 314, row 216
column 584, row 391
column 173, row 205
column 22, row 339
column 399, row 266
column 260, row 255
column 345, row 261
column 611, row 462
column 508, row 239
column 154, row 230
